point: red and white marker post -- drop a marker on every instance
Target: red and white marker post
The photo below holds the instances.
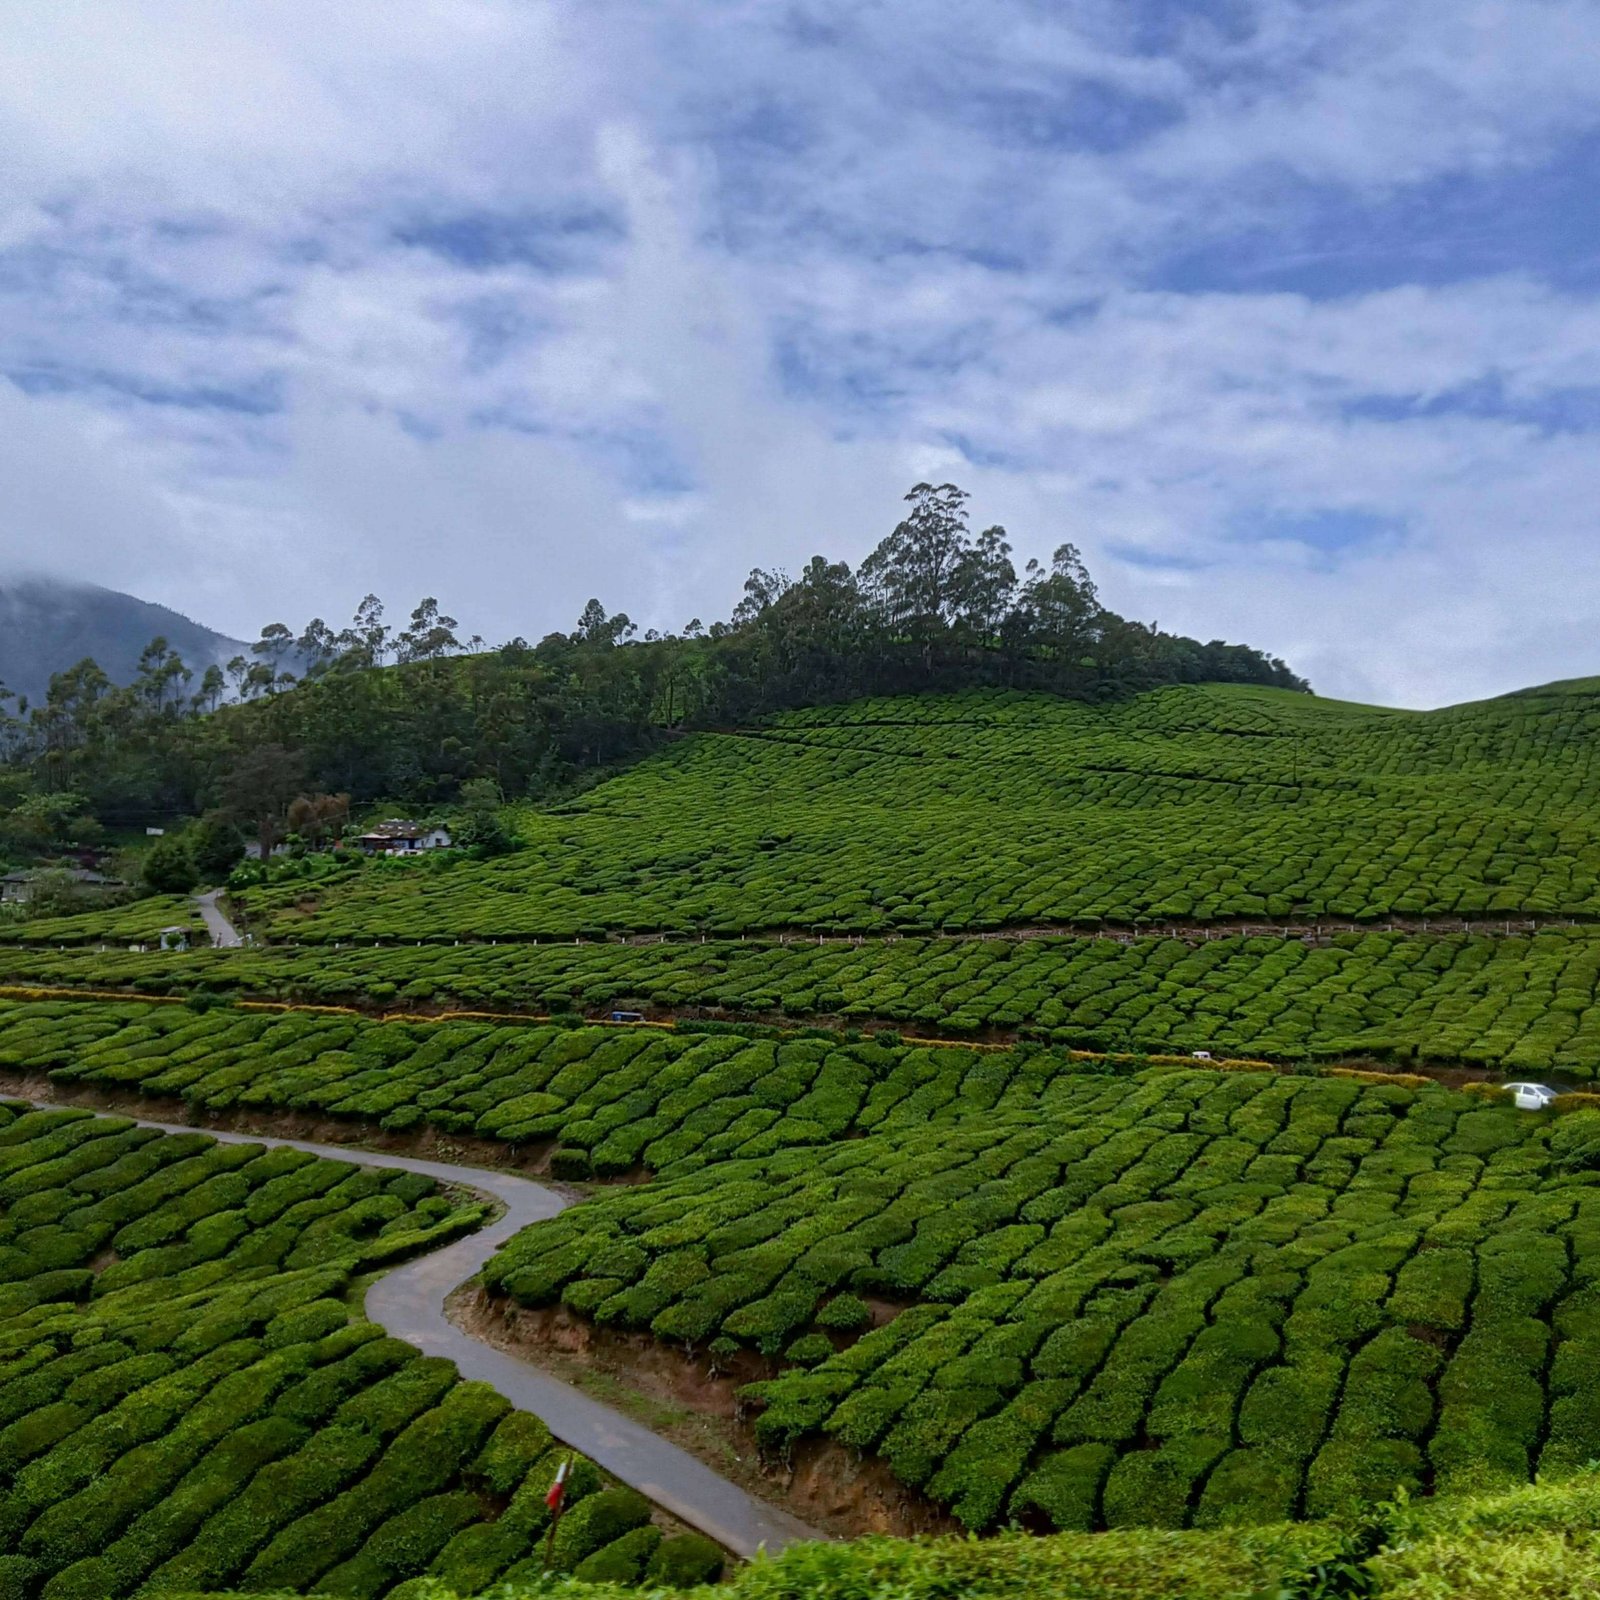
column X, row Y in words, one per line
column 556, row 1499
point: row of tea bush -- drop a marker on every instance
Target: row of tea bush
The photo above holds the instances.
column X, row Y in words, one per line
column 1194, row 1298
column 1519, row 1003
column 188, row 1403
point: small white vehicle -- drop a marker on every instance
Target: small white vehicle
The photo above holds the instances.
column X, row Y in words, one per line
column 1531, row 1096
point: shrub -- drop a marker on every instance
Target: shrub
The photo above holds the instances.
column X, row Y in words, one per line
column 169, row 868
column 846, row 1313
column 809, row 1349
column 623, row 1560
column 594, row 1523
column 683, row 1561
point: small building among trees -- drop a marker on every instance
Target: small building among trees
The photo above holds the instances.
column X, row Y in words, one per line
column 398, row 836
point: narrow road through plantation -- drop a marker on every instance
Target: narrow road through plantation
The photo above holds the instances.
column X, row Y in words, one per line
column 224, row 936
column 408, row 1301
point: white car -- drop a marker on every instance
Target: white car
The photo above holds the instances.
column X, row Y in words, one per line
column 1531, row 1096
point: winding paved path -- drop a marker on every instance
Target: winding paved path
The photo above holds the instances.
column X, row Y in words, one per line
column 408, row 1301
column 224, row 936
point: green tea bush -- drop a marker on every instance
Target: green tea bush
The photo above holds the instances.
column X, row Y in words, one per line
column 1186, row 1297
column 187, row 1402
column 1525, row 1004
column 971, row 811
column 615, row 1098
column 684, row 1560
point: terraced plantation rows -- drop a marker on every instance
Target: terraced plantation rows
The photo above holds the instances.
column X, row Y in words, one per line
column 1184, row 1297
column 987, row 809
column 613, row 1098
column 187, row 1401
column 1197, row 1298
column 140, row 922
column 1038, row 1285
column 1520, row 1004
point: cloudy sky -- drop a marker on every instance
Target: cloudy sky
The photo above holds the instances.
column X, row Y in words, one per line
column 1286, row 311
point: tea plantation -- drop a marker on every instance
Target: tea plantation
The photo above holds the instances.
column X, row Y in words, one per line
column 139, row 923
column 1039, row 1293
column 1523, row 1004
column 1528, row 1544
column 1198, row 1298
column 615, row 1098
column 988, row 809
column 1040, row 1272
column 188, row 1402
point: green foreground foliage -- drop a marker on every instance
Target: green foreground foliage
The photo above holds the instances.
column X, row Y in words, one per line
column 1536, row 1543
column 188, row 1402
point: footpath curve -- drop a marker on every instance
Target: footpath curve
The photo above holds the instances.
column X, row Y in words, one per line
column 224, row 936
column 408, row 1302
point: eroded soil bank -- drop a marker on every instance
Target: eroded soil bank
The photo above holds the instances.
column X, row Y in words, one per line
column 684, row 1399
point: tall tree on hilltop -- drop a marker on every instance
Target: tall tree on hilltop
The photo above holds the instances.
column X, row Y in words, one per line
column 1061, row 613
column 317, row 647
column 985, row 585
column 365, row 643
column 162, row 677
column 272, row 648
column 430, row 634
column 913, row 575
column 213, row 685
column 596, row 628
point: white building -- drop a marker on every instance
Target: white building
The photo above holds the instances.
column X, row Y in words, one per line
column 400, row 837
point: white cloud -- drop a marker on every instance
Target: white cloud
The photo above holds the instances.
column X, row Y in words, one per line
column 259, row 364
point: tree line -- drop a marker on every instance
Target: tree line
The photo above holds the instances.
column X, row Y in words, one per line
column 934, row 607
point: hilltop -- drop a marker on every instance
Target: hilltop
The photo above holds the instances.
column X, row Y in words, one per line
column 50, row 624
column 379, row 711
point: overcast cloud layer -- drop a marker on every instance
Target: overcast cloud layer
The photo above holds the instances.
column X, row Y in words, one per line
column 1286, row 311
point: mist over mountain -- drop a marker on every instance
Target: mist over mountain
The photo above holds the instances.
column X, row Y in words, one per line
column 48, row 624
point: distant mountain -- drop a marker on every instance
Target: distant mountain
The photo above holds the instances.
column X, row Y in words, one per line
column 47, row 625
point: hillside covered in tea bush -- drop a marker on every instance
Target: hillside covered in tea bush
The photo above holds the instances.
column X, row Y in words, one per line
column 988, row 809
column 188, row 1402
column 1036, row 1290
column 1519, row 1004
column 1197, row 1298
column 1033, row 1286
column 610, row 1099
